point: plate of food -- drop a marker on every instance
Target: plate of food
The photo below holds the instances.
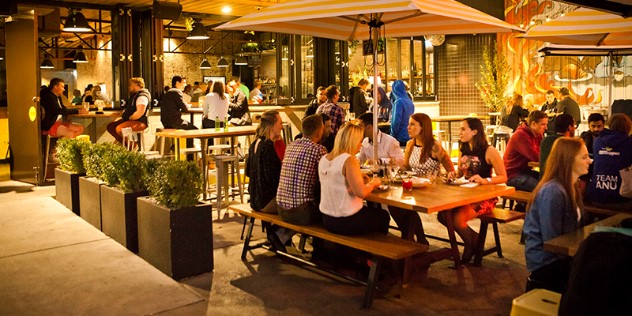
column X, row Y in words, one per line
column 459, row 181
column 382, row 187
column 420, row 182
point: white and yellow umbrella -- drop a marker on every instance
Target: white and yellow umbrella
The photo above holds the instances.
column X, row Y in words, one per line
column 350, row 20
column 585, row 27
column 347, row 20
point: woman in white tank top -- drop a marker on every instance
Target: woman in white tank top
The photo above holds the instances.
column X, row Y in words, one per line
column 343, row 188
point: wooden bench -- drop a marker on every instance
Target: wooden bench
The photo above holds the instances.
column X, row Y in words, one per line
column 379, row 246
column 496, row 216
column 518, row 196
column 597, row 211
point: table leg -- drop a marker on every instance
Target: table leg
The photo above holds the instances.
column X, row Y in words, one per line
column 204, row 168
column 453, row 243
column 177, row 148
column 192, row 117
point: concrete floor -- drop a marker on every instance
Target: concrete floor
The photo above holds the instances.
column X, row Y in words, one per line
column 52, row 262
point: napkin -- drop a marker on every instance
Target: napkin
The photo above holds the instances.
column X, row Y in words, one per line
column 469, row 185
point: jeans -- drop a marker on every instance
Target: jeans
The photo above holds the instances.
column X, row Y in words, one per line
column 524, row 181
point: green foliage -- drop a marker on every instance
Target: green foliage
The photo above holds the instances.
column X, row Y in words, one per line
column 173, row 183
column 495, row 78
column 95, row 161
column 70, row 154
column 128, row 170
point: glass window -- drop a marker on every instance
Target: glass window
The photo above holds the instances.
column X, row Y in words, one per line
column 307, row 67
column 284, row 77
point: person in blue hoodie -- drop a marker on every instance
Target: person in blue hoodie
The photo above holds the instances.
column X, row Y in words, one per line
column 403, row 108
column 612, row 151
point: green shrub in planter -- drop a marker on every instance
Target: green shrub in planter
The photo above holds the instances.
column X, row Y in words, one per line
column 173, row 183
column 70, row 153
column 95, row 161
column 129, row 167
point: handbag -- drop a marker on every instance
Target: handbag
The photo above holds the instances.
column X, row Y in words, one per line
column 625, row 190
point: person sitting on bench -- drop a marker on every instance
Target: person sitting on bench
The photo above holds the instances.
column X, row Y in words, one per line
column 343, row 188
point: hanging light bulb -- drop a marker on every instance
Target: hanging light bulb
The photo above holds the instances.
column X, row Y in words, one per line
column 76, row 22
column 285, row 54
column 309, row 53
column 80, row 57
column 532, row 22
column 198, row 32
column 548, row 19
column 222, row 63
column 241, row 61
column 205, row 64
column 47, row 64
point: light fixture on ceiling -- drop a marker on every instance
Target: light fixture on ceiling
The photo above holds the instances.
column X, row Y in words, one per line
column 241, row 61
column 226, row 9
column 198, row 32
column 76, row 22
column 80, row 57
column 222, row 63
column 1, row 58
column 309, row 53
column 435, row 40
column 205, row 64
column 47, row 64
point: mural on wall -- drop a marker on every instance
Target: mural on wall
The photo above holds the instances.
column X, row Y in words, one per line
column 587, row 77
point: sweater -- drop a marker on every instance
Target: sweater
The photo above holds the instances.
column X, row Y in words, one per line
column 545, row 150
column 171, row 108
column 570, row 107
column 612, row 151
column 264, row 170
column 53, row 107
column 523, row 147
column 403, row 108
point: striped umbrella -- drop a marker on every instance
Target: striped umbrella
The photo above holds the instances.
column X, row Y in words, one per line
column 350, row 20
column 585, row 27
column 347, row 19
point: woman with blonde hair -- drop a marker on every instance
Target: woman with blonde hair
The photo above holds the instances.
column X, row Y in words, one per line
column 556, row 208
column 343, row 188
column 512, row 114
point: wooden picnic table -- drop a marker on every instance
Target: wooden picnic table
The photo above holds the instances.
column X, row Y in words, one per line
column 437, row 198
column 568, row 244
column 94, row 116
column 204, row 134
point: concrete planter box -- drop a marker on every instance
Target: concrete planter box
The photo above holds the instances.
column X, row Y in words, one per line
column 119, row 216
column 177, row 242
column 90, row 200
column 67, row 189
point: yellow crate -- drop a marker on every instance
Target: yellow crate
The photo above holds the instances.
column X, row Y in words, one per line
column 538, row 302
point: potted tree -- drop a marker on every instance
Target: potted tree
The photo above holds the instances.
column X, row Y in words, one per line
column 175, row 232
column 70, row 155
column 94, row 159
column 494, row 79
column 124, row 170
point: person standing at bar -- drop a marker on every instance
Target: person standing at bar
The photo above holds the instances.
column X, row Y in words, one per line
column 215, row 108
column 172, row 106
column 238, row 105
column 568, row 106
column 332, row 109
column 320, row 98
column 359, row 104
column 403, row 108
column 50, row 100
column 135, row 114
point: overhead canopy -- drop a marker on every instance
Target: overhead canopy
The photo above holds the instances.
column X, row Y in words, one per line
column 585, row 50
column 585, row 27
column 348, row 19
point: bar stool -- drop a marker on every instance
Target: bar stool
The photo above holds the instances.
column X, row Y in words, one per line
column 222, row 165
column 130, row 137
column 47, row 153
column 287, row 133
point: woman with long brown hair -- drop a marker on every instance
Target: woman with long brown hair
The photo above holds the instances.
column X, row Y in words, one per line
column 477, row 159
column 423, row 155
column 513, row 112
column 555, row 209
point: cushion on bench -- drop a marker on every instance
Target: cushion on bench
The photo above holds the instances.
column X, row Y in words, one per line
column 386, row 246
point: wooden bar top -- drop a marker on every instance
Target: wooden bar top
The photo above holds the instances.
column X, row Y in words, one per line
column 208, row 132
column 437, row 197
column 568, row 244
column 97, row 115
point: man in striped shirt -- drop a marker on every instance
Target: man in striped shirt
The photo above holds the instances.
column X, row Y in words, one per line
column 331, row 108
column 298, row 194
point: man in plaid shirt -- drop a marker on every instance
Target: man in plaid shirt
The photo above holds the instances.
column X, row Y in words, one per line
column 298, row 194
column 330, row 108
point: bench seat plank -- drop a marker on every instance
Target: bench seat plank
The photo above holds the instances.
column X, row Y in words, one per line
column 518, row 196
column 502, row 216
column 386, row 246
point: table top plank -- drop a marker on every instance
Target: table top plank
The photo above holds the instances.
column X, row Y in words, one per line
column 437, row 197
column 568, row 244
column 95, row 115
column 208, row 132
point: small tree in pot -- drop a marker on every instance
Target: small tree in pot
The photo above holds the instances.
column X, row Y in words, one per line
column 70, row 154
column 123, row 172
column 98, row 170
column 175, row 232
column 494, row 79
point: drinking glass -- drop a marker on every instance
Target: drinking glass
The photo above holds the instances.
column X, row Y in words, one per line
column 407, row 184
column 393, row 170
column 86, row 105
column 99, row 105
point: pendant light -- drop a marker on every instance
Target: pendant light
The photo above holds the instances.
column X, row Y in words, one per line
column 47, row 64
column 198, row 32
column 309, row 53
column 241, row 61
column 205, row 64
column 80, row 57
column 76, row 22
column 222, row 62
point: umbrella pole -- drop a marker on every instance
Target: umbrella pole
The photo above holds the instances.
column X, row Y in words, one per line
column 610, row 79
column 375, row 33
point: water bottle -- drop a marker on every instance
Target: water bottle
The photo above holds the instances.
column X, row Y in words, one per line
column 217, row 123
column 225, row 123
